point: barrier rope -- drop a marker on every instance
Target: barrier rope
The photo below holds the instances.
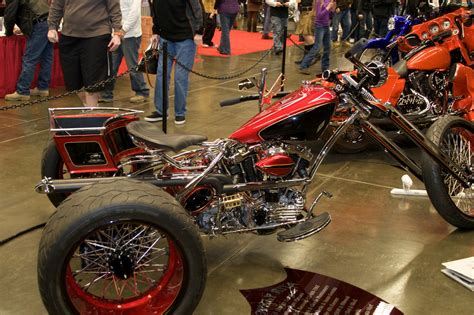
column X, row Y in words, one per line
column 223, row 78
column 135, row 69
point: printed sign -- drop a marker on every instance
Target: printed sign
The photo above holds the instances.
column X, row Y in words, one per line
column 304, row 292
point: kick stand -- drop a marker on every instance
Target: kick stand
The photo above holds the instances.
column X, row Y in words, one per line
column 406, row 191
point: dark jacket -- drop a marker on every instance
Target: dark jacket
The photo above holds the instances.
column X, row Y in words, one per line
column 18, row 12
column 170, row 23
column 343, row 4
column 383, row 8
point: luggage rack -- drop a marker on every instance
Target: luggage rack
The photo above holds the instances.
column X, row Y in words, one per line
column 86, row 120
column 93, row 139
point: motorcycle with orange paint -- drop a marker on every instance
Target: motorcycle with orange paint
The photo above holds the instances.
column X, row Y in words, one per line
column 435, row 77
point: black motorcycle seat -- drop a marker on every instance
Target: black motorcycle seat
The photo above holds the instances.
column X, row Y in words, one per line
column 156, row 139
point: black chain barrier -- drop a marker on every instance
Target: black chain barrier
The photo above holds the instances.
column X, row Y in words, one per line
column 224, row 78
column 135, row 69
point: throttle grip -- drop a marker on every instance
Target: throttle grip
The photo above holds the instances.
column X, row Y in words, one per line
column 230, row 102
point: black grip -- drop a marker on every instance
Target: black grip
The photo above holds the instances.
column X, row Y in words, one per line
column 238, row 100
column 358, row 47
column 442, row 35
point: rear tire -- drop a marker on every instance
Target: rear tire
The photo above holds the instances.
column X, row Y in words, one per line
column 453, row 136
column 52, row 166
column 128, row 216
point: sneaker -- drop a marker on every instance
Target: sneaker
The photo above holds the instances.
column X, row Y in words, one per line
column 137, row 99
column 154, row 117
column 105, row 100
column 346, row 44
column 205, row 45
column 38, row 92
column 17, row 97
column 266, row 36
column 304, row 71
column 299, row 61
column 179, row 120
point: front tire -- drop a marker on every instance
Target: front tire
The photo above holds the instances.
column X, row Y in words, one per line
column 121, row 247
column 454, row 137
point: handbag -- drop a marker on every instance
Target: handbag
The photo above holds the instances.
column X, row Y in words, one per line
column 149, row 62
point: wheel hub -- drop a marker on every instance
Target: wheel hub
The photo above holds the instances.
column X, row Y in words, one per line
column 122, row 265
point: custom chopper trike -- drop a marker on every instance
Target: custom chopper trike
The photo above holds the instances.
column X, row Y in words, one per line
column 132, row 244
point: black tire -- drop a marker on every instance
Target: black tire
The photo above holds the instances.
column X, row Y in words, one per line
column 369, row 54
column 97, row 206
column 435, row 178
column 348, row 142
column 52, row 167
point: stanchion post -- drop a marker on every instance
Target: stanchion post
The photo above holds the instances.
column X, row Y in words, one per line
column 165, row 86
column 283, row 59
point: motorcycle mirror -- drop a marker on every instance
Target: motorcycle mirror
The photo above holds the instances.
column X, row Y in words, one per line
column 247, row 83
column 358, row 47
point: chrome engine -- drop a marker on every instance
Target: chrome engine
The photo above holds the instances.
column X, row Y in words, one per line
column 254, row 210
column 425, row 93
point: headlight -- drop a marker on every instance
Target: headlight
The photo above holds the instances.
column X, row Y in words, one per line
column 391, row 24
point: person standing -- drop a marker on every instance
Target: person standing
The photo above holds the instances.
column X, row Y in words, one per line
column 253, row 8
column 382, row 10
column 210, row 22
column 366, row 22
column 343, row 17
column 132, row 26
column 227, row 10
column 279, row 19
column 179, row 23
column 266, row 22
column 38, row 48
column 86, row 42
column 305, row 26
column 324, row 9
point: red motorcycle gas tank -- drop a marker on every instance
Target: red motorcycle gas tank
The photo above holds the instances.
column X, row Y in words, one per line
column 301, row 115
column 278, row 165
column 432, row 58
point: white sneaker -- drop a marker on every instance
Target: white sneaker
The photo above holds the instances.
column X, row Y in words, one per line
column 16, row 97
column 38, row 92
column 137, row 99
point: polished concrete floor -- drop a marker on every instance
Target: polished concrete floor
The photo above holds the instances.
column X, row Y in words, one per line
column 391, row 247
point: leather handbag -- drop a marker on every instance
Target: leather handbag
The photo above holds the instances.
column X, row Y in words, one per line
column 149, row 62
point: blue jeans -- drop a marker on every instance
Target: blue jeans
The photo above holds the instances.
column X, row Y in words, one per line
column 38, row 49
column 380, row 26
column 365, row 24
column 227, row 21
column 184, row 51
column 266, row 19
column 278, row 26
column 321, row 38
column 344, row 18
column 128, row 49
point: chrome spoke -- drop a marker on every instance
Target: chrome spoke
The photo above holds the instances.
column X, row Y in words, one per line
column 120, row 261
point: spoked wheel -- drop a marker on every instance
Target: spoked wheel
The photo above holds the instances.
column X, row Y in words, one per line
column 455, row 137
column 353, row 140
column 121, row 247
column 374, row 54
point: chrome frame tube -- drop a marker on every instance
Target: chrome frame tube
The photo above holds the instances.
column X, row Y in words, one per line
column 393, row 149
column 328, row 145
column 427, row 146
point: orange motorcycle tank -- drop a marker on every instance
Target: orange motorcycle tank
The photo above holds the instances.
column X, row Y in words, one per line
column 432, row 58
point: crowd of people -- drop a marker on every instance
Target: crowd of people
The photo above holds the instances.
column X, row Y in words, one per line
column 97, row 35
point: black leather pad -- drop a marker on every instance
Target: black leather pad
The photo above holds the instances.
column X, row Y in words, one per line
column 157, row 139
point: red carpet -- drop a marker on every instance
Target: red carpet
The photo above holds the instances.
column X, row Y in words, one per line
column 241, row 43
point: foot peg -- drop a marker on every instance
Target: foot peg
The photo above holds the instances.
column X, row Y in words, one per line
column 305, row 229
